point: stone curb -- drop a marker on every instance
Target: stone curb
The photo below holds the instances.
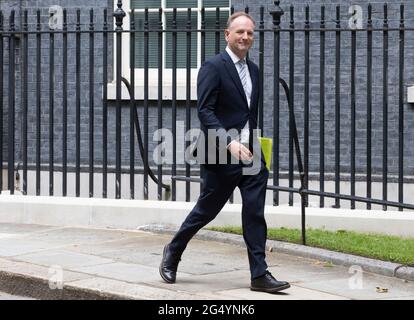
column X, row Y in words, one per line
column 38, row 288
column 368, row 265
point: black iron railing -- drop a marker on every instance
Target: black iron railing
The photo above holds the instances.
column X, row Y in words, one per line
column 24, row 66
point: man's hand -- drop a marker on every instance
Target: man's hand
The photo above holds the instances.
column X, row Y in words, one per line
column 239, row 151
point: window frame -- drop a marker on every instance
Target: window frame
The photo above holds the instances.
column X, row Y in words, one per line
column 153, row 72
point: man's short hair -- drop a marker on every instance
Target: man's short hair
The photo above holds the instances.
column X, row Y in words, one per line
column 239, row 14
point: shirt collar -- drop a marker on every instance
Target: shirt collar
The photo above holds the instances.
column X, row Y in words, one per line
column 233, row 56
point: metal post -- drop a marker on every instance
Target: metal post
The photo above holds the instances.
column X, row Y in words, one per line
column 11, row 105
column 91, row 102
column 119, row 15
column 276, row 13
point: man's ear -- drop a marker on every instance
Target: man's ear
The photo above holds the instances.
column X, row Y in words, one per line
column 226, row 33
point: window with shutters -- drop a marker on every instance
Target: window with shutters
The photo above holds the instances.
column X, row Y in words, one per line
column 167, row 6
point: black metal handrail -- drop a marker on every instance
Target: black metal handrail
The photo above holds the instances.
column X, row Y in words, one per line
column 141, row 143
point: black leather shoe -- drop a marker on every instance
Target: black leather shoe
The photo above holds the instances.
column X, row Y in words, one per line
column 267, row 283
column 168, row 266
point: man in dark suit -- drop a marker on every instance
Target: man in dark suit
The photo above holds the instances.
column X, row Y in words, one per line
column 228, row 94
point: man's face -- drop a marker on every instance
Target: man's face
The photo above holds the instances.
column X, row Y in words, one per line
column 239, row 36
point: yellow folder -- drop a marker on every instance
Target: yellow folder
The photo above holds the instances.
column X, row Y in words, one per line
column 266, row 145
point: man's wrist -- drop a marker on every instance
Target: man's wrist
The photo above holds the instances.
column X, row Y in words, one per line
column 228, row 146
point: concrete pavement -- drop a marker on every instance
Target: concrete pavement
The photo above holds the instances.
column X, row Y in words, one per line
column 48, row 262
column 6, row 296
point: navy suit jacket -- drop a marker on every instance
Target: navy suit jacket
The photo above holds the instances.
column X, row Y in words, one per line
column 222, row 102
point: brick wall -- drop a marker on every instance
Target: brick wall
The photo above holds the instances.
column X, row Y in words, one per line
column 98, row 7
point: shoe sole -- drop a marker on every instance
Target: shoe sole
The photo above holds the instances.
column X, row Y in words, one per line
column 160, row 268
column 270, row 290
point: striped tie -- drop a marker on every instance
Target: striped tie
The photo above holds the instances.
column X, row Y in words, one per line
column 244, row 134
column 243, row 75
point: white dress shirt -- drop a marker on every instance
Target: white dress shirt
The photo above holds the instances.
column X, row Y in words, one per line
column 244, row 135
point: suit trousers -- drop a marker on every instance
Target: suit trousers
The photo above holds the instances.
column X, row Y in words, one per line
column 219, row 181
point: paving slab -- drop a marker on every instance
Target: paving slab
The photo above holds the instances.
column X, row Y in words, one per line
column 136, row 291
column 18, row 229
column 293, row 293
column 62, row 258
column 40, row 272
column 148, row 251
column 25, row 245
column 363, row 288
column 207, row 283
column 122, row 271
column 119, row 264
column 71, row 236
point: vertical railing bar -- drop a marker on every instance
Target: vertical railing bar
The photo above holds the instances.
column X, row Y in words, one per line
column 146, row 79
column 322, row 109
column 105, row 107
column 25, row 99
column 132, row 107
column 11, row 98
column 247, row 10
column 261, row 68
column 306, row 102
column 337, row 103
column 231, row 198
column 65, row 105
column 353, row 111
column 291, row 96
column 51, row 109
column 369, row 105
column 276, row 15
column 159, row 108
column 401, row 111
column 78, row 105
column 385, row 109
column 119, row 14
column 1, row 99
column 217, row 33
column 203, row 58
column 91, row 103
column 203, row 35
column 188, row 98
column 174, row 104
column 38, row 100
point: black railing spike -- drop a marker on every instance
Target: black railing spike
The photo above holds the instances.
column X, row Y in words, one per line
column 25, row 22
column 78, row 24
column 119, row 15
column 322, row 16
column 276, row 12
column 65, row 19
column 369, row 14
column 91, row 25
column 132, row 23
column 307, row 22
column 12, row 22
